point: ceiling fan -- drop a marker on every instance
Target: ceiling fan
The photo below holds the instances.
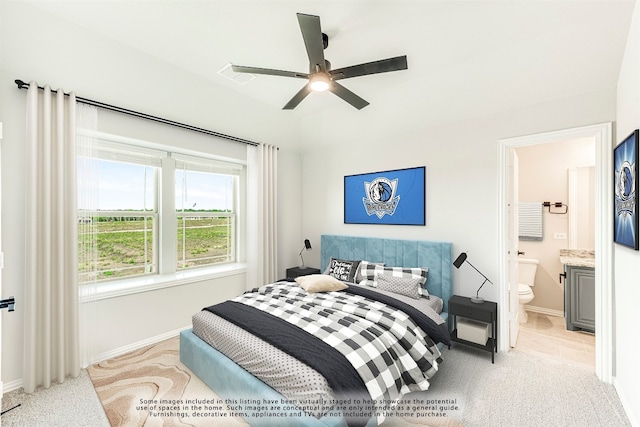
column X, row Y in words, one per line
column 321, row 77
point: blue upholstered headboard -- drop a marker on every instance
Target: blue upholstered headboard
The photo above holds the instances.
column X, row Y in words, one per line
column 436, row 256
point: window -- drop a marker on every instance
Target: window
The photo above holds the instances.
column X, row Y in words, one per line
column 205, row 212
column 124, row 192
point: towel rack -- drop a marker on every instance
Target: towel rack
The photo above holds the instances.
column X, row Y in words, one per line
column 556, row 205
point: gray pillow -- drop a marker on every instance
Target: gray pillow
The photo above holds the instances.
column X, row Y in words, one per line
column 364, row 267
column 407, row 286
column 370, row 271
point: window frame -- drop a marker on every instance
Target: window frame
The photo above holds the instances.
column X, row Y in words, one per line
column 189, row 163
column 154, row 232
column 165, row 217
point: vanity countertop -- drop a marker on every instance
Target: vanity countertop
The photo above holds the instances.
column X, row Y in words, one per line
column 578, row 257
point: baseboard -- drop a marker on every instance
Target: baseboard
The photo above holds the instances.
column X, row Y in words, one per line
column 626, row 404
column 136, row 345
column 543, row 310
column 12, row 385
column 16, row 384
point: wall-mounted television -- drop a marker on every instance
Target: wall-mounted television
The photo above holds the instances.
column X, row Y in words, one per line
column 625, row 189
column 388, row 197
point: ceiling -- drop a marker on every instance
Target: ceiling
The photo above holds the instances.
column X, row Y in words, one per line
column 466, row 58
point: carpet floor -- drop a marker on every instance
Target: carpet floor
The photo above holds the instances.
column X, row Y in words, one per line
column 71, row 403
column 518, row 390
column 525, row 390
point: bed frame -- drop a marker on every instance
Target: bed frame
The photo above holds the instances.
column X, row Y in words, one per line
column 436, row 256
column 231, row 381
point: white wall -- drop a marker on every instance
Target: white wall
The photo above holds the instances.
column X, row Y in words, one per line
column 627, row 261
column 39, row 46
column 461, row 161
column 461, row 168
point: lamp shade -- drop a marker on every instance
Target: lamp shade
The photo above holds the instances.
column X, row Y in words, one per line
column 307, row 246
column 461, row 258
column 458, row 262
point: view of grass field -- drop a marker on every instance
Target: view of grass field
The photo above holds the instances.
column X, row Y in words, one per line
column 203, row 241
column 125, row 245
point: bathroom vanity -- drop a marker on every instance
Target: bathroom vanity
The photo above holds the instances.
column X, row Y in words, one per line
column 579, row 289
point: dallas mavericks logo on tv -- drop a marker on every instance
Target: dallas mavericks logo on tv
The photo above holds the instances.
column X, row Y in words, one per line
column 381, row 197
column 385, row 197
column 625, row 194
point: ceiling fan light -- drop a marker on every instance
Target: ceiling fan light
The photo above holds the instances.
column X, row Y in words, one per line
column 319, row 82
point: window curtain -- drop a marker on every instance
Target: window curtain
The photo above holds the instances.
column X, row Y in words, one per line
column 87, row 146
column 51, row 350
column 262, row 214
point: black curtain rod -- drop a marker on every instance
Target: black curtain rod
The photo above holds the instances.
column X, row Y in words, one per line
column 23, row 85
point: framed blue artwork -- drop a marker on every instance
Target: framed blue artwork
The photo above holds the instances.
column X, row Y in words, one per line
column 390, row 197
column 625, row 189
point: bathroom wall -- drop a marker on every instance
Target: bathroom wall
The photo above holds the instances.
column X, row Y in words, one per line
column 543, row 177
column 582, row 221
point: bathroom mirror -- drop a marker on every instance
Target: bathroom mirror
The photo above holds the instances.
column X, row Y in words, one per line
column 581, row 203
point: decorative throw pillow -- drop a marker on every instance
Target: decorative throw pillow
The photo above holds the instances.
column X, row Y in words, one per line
column 342, row 269
column 364, row 265
column 369, row 274
column 320, row 283
column 399, row 285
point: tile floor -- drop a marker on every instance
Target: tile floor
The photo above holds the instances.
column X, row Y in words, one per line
column 546, row 335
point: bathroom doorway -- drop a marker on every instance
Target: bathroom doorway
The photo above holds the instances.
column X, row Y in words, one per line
column 561, row 174
column 544, row 171
column 601, row 136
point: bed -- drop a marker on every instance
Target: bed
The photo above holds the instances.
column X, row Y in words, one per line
column 231, row 381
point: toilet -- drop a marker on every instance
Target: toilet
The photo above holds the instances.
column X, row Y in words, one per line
column 526, row 278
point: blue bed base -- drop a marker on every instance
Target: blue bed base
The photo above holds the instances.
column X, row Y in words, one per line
column 231, row 381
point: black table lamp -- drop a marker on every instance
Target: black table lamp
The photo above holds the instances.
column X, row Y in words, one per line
column 307, row 246
column 458, row 262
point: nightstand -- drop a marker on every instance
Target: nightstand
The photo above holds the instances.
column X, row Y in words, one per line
column 486, row 312
column 294, row 272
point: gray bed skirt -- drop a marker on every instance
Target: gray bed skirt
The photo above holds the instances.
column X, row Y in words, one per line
column 230, row 381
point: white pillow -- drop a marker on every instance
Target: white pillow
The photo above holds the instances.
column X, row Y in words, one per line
column 320, row 283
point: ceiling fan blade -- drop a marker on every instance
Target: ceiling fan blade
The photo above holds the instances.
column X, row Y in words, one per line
column 375, row 67
column 348, row 96
column 312, row 35
column 298, row 97
column 268, row 71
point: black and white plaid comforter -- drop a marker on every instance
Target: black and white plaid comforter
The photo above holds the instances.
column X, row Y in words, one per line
column 392, row 355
